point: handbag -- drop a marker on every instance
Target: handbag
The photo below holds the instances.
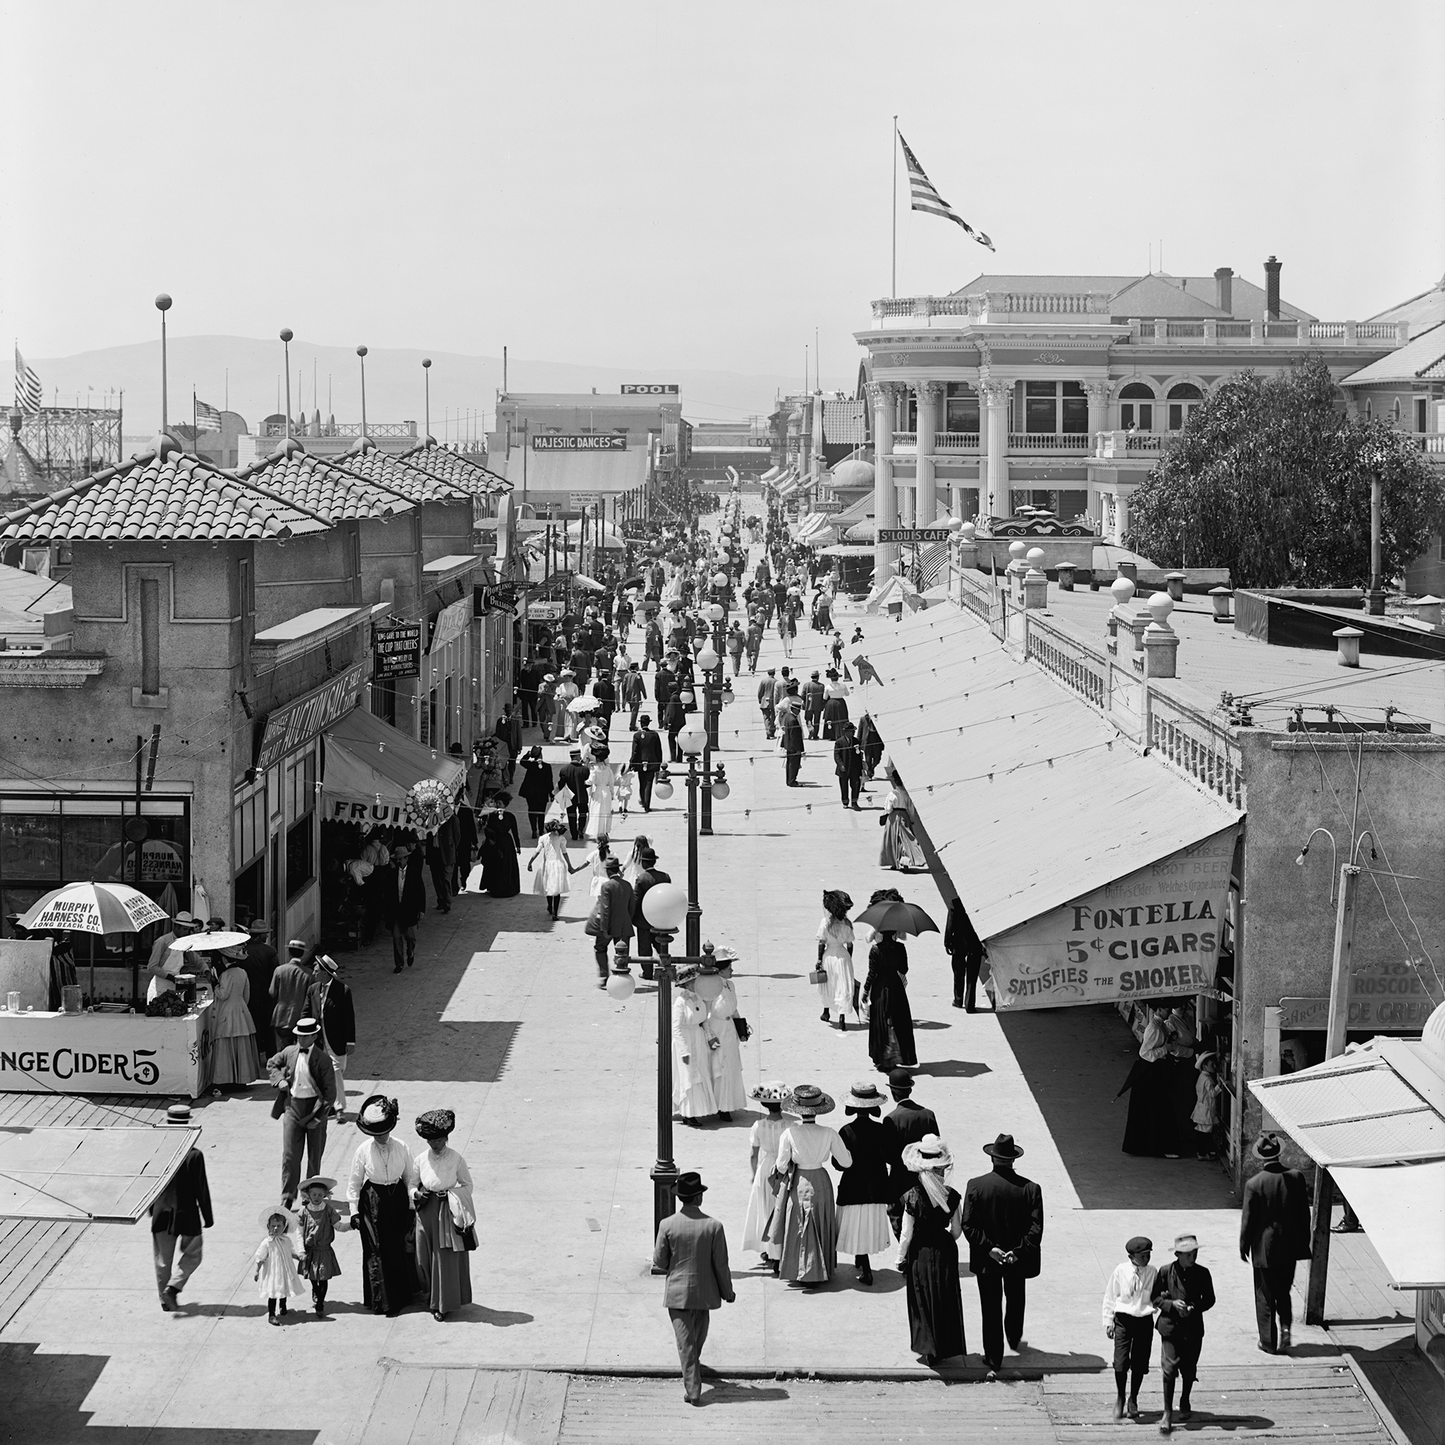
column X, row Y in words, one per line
column 744, row 1029
column 818, row 975
column 469, row 1237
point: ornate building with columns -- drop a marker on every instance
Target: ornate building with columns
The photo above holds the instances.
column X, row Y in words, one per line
column 1060, row 392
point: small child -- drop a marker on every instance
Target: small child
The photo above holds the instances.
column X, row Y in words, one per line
column 1206, row 1105
column 276, row 1261
column 1129, row 1321
column 764, row 1140
column 622, row 791
column 320, row 1219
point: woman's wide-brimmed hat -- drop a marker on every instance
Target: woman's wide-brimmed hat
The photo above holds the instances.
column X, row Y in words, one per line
column 378, row 1115
column 1003, row 1148
column 266, row 1214
column 435, row 1124
column 807, row 1101
column 863, row 1098
column 929, row 1152
column 772, row 1092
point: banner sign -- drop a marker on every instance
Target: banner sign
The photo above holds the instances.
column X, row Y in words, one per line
column 914, row 536
column 287, row 728
column 1153, row 933
column 587, row 442
column 546, row 611
column 1383, row 998
column 649, row 388
column 396, row 652
column 451, row 622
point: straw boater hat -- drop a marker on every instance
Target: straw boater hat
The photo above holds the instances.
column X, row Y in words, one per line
column 306, row 1028
column 292, row 1222
column 773, row 1092
column 807, row 1101
column 929, row 1152
column 864, row 1098
column 178, row 1114
column 378, row 1115
column 1186, row 1244
column 317, row 1181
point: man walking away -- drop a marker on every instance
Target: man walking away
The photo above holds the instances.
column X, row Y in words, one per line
column 650, row 876
column 290, row 990
column 646, row 759
column 403, row 901
column 963, row 945
column 611, row 918
column 848, row 764
column 441, row 856
column 1182, row 1292
column 1003, row 1221
column 1274, row 1232
column 260, row 965
column 813, row 691
column 307, row 1093
column 332, row 1006
column 907, row 1124
column 574, row 778
column 181, row 1210
column 692, row 1251
column 632, row 693
column 767, row 701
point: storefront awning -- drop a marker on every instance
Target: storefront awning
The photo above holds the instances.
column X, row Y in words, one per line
column 1402, row 1208
column 1092, row 872
column 371, row 766
column 83, row 1174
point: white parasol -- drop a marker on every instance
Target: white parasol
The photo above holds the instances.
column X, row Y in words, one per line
column 585, row 703
column 93, row 908
column 210, row 942
column 587, row 584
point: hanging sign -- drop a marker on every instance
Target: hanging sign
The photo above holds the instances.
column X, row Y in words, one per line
column 396, row 652
column 587, row 442
column 1153, row 933
column 1384, row 997
column 546, row 611
column 286, row 728
column 451, row 622
column 914, row 536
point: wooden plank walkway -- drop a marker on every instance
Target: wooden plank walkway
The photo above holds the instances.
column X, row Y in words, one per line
column 29, row 1250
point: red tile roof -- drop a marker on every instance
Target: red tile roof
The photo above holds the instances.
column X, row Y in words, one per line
column 320, row 486
column 447, row 464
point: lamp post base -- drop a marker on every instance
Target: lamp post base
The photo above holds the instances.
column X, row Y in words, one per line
column 664, row 1193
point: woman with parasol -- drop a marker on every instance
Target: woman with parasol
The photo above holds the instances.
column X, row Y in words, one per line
column 890, row 1019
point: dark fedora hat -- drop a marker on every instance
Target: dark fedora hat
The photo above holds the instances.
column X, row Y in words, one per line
column 1003, row 1148
column 690, row 1184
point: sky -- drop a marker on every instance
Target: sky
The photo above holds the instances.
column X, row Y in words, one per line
column 653, row 186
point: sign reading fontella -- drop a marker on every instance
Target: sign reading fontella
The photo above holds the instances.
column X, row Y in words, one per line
column 587, row 442
column 649, row 388
column 287, row 728
column 1150, row 934
column 396, row 652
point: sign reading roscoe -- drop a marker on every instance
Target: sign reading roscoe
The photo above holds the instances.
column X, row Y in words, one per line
column 1152, row 933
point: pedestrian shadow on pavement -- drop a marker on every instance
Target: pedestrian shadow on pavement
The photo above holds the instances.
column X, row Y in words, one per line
column 443, row 1052
column 931, row 1024
column 724, row 1392
column 953, row 1069
column 485, row 1315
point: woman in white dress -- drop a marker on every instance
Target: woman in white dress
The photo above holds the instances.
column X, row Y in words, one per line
column 838, row 990
column 763, row 1140
column 714, row 986
column 550, row 867
column 900, row 849
column 446, row 1216
column 596, row 860
column 693, row 1043
column 804, row 1227
column 601, row 785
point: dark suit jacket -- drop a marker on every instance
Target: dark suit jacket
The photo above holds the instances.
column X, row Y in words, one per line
column 1274, row 1227
column 318, row 1061
column 1175, row 1284
column 648, row 878
column 613, row 910
column 907, row 1124
column 332, row 1007
column 693, row 1250
column 407, row 908
column 291, row 989
column 1003, row 1210
column 574, row 776
column 185, row 1202
column 646, row 749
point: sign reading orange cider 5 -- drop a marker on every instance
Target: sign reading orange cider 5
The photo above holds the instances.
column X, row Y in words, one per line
column 1153, row 932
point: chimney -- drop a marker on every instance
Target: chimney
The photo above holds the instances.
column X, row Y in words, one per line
column 1271, row 289
column 1224, row 290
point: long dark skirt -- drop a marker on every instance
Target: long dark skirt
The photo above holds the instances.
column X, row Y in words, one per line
column 500, row 877
column 890, row 1021
column 1149, row 1128
column 935, row 1303
column 388, row 1269
column 445, row 1272
column 835, row 710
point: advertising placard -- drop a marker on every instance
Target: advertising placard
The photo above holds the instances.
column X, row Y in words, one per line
column 587, row 442
column 649, row 388
column 1385, row 997
column 396, row 652
column 287, row 728
column 1153, row 933
column 914, row 536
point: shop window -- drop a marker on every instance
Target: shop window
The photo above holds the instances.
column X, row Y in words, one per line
column 249, row 828
column 1136, row 407
column 89, row 846
column 960, row 408
column 1182, row 400
column 300, row 855
column 301, row 787
column 30, row 847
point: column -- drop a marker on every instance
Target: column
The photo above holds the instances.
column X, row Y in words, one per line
column 1121, row 518
column 995, row 496
column 929, row 394
column 883, row 395
column 1098, row 394
column 907, row 505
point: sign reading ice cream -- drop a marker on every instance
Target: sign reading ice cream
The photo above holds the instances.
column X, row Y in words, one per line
column 1152, row 933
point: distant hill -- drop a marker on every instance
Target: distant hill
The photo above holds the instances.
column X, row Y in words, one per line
column 250, row 371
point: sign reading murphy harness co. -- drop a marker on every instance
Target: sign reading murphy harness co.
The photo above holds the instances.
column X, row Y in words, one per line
column 1152, row 933
column 586, row 442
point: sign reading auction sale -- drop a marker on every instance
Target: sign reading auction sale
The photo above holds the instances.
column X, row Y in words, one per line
column 1154, row 933
column 587, row 442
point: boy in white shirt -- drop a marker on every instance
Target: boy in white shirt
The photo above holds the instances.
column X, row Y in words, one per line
column 1129, row 1321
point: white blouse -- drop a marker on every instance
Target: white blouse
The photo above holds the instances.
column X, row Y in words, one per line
column 440, row 1172
column 381, row 1162
column 810, row 1146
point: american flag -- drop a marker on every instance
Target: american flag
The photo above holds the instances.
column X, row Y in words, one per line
column 208, row 418
column 28, row 394
column 925, row 198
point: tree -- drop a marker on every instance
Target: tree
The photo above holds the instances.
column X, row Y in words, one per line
column 1271, row 480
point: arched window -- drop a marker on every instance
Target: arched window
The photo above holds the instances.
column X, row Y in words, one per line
column 1182, row 400
column 1136, row 407
column 1395, row 413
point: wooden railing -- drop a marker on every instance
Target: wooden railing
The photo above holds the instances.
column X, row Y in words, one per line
column 1196, row 744
column 1074, row 663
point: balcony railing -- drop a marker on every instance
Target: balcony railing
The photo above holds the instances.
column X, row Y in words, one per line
column 956, row 441
column 1071, row 661
column 1198, row 745
column 1073, row 443
column 341, row 429
column 994, row 305
column 1112, row 444
column 1260, row 333
column 1432, row 443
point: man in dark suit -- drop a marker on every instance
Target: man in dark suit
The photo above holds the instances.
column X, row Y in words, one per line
column 441, row 857
column 907, row 1124
column 260, row 965
column 606, row 695
column 812, row 692
column 1003, row 1221
column 290, row 988
column 1182, row 1292
column 181, row 1210
column 646, row 759
column 403, row 901
column 650, row 876
column 962, row 944
column 663, row 682
column 574, row 778
column 848, row 763
column 632, row 693
column 611, row 919
column 692, row 1251
column 1274, row 1232
column 331, row 1005
column 307, row 1093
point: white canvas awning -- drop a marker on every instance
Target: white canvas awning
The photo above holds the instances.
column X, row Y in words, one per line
column 371, row 766
column 1402, row 1208
column 84, row 1174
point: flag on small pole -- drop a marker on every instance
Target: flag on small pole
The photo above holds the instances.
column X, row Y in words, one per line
column 926, row 198
column 28, row 393
column 208, row 417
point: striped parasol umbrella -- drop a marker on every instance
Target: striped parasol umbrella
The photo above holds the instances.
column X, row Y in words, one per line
column 93, row 908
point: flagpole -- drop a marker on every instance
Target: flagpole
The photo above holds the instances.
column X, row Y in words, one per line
column 894, row 208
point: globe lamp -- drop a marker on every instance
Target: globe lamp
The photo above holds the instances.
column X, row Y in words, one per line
column 707, row 657
column 620, row 983
column 716, row 612
column 692, row 741
column 664, row 905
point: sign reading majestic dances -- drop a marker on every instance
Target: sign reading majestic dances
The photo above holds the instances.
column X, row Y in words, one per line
column 649, row 388
column 914, row 536
column 587, row 442
column 396, row 652
column 1153, row 933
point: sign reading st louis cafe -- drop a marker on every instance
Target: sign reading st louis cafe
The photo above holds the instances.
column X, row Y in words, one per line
column 1153, row 933
column 914, row 536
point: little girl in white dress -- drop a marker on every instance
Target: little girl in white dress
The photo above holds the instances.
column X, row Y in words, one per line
column 276, row 1259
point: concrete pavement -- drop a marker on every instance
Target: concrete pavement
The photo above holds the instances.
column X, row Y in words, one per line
column 554, row 1089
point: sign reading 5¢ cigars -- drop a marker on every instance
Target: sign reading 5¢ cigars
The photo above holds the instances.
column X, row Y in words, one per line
column 1152, row 933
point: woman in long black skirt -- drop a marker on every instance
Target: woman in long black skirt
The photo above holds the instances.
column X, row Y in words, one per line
column 382, row 1179
column 500, row 847
column 890, row 1019
column 1149, row 1128
column 928, row 1252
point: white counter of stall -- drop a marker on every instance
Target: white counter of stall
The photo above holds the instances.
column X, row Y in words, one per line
column 105, row 1053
